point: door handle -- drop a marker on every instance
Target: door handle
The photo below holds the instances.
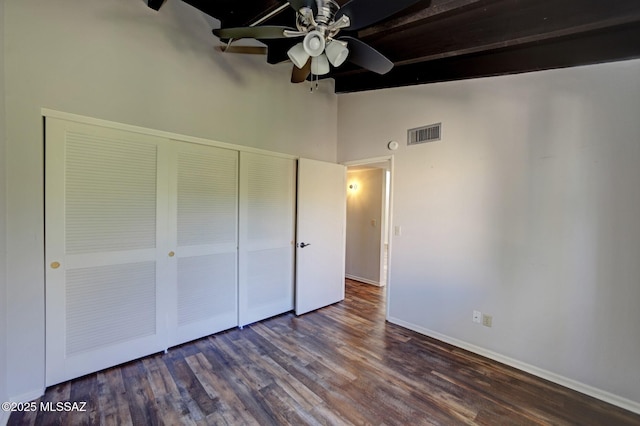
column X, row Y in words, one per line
column 303, row 245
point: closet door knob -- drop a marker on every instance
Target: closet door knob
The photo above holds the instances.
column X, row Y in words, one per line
column 55, row 265
column 171, row 254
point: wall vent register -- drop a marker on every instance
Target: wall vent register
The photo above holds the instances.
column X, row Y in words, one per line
column 430, row 133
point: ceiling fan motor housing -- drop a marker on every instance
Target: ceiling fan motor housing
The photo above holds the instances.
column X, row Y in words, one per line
column 326, row 13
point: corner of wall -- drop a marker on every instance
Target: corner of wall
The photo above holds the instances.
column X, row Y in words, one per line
column 4, row 416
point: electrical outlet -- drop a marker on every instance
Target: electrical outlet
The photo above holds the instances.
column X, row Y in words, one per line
column 487, row 320
column 477, row 315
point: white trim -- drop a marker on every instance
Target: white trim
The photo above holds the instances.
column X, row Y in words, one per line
column 600, row 394
column 158, row 133
column 362, row 280
column 390, row 227
column 391, row 160
column 368, row 161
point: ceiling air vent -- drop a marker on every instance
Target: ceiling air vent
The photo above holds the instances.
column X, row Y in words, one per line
column 430, row 133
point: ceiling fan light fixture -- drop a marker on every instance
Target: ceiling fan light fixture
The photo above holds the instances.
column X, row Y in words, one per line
column 314, row 43
column 337, row 52
column 320, row 65
column 298, row 55
column 318, row 23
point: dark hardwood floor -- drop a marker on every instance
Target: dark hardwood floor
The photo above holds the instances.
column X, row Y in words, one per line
column 340, row 365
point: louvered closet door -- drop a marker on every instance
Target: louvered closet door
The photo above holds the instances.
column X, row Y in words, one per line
column 205, row 213
column 104, row 225
column 267, row 209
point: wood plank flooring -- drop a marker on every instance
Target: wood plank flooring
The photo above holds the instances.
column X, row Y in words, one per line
column 340, row 365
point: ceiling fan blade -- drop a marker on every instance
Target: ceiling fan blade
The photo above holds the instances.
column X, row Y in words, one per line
column 298, row 75
column 264, row 32
column 245, row 50
column 299, row 4
column 365, row 56
column 363, row 13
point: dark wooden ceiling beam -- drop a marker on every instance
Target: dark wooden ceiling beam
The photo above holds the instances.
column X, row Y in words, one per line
column 234, row 13
column 528, row 39
column 500, row 23
column 421, row 12
column 155, row 4
column 612, row 44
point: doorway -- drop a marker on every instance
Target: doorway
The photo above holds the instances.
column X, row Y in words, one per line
column 368, row 220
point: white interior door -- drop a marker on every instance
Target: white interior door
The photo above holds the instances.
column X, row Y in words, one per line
column 320, row 262
column 104, row 222
column 203, row 262
column 267, row 226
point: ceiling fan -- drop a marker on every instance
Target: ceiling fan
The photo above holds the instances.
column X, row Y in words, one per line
column 318, row 23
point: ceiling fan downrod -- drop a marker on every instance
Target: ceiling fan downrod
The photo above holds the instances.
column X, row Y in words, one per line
column 326, row 12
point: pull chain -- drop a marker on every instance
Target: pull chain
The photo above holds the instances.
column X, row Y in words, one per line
column 312, row 89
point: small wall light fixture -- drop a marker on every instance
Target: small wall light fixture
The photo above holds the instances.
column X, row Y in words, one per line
column 353, row 186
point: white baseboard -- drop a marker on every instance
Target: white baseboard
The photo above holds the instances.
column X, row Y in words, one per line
column 27, row 396
column 600, row 394
column 362, row 280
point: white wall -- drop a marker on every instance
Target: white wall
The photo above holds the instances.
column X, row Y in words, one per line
column 363, row 238
column 3, row 288
column 526, row 210
column 118, row 60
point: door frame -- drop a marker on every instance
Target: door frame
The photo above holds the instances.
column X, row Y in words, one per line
column 374, row 160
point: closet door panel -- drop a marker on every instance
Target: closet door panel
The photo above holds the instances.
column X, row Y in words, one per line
column 102, row 215
column 206, row 241
column 267, row 207
column 109, row 304
column 199, row 298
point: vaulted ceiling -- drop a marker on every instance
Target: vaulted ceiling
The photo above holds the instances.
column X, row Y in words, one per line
column 442, row 40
